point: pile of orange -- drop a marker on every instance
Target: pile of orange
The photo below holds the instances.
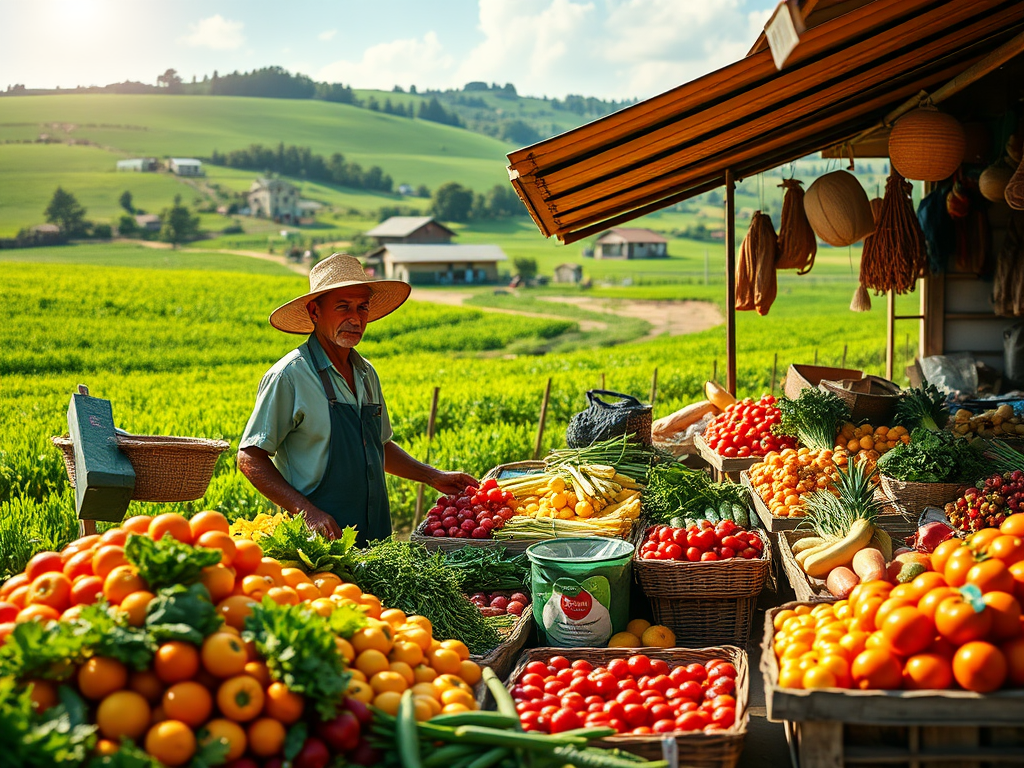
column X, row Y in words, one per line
column 222, row 689
column 868, row 443
column 957, row 625
column 783, row 478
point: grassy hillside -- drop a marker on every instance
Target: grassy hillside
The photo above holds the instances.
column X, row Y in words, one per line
column 412, row 151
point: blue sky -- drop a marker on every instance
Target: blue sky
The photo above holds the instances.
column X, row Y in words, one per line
column 606, row 48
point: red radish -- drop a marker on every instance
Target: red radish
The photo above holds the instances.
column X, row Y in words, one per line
column 516, row 608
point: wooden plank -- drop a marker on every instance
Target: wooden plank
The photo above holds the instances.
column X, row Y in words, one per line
column 104, row 478
column 821, row 745
column 934, row 298
column 949, row 739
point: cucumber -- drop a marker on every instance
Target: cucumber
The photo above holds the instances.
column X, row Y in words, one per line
column 678, row 522
column 725, row 511
column 711, row 515
column 740, row 516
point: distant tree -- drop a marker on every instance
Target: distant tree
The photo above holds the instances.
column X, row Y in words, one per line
column 372, row 103
column 126, row 226
column 434, row 112
column 520, row 132
column 412, row 89
column 169, row 80
column 502, row 202
column 398, row 89
column 422, row 191
column 65, row 211
column 452, row 202
column 525, row 268
column 179, row 224
column 269, row 82
column 102, row 231
column 125, row 201
column 335, row 92
column 714, row 197
column 475, row 85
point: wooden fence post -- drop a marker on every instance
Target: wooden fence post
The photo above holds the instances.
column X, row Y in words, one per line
column 775, row 368
column 714, row 370
column 845, row 348
column 431, row 420
column 602, row 382
column 654, row 386
column 815, row 355
column 543, row 418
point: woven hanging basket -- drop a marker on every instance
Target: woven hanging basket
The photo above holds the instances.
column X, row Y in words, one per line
column 1014, row 192
column 927, row 145
column 993, row 180
column 838, row 209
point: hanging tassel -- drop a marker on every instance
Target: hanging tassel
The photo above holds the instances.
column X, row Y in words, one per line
column 861, row 300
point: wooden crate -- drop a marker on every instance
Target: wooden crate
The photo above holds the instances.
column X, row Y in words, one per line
column 771, row 523
column 807, row 589
column 835, row 728
column 724, row 467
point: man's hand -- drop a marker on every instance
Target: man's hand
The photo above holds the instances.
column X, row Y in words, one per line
column 322, row 523
column 451, row 483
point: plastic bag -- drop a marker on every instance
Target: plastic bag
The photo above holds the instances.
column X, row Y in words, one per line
column 952, row 373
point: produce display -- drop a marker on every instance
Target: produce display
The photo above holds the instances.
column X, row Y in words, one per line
column 681, row 496
column 783, row 480
column 474, row 513
column 701, row 543
column 814, row 418
column 868, row 443
column 500, row 603
column 638, row 695
column 745, row 428
column 957, row 624
column 171, row 640
column 934, row 457
column 923, row 407
column 1001, row 422
column 640, row 633
column 989, row 504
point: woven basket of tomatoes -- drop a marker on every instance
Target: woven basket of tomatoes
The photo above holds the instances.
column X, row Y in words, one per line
column 698, row 696
column 703, row 581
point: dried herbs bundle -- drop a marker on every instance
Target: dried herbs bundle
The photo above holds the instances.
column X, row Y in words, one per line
column 798, row 244
column 895, row 257
column 756, row 285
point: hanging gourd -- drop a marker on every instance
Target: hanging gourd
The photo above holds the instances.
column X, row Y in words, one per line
column 797, row 243
column 838, row 210
column 895, row 257
column 993, row 180
column 927, row 145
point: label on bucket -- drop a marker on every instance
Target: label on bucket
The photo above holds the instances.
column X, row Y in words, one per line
column 577, row 614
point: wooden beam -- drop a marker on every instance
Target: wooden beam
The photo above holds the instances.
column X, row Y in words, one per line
column 890, row 332
column 730, row 282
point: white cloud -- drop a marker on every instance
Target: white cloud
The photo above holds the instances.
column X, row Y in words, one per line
column 216, row 33
column 419, row 61
column 327, row 34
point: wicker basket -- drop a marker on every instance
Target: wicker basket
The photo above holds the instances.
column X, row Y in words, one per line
column 696, row 750
column 705, row 603
column 910, row 499
column 871, row 399
column 167, row 469
column 800, row 377
column 927, row 145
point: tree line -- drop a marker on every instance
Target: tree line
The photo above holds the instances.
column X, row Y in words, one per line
column 302, row 162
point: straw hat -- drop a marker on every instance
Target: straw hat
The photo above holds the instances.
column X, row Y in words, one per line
column 339, row 270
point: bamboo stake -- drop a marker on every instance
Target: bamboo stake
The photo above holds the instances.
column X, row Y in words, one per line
column 431, row 420
column 543, row 418
column 714, row 370
column 845, row 347
column 815, row 355
column 654, row 386
column 775, row 368
column 890, row 332
column 602, row 382
column 730, row 282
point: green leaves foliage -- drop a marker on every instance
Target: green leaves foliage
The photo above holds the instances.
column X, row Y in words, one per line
column 295, row 545
column 59, row 736
column 182, row 613
column 35, row 650
column 934, row 457
column 814, row 418
column 107, row 633
column 168, row 561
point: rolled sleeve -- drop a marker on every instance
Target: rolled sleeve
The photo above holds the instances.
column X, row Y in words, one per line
column 274, row 416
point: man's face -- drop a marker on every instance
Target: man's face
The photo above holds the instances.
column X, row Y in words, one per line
column 340, row 315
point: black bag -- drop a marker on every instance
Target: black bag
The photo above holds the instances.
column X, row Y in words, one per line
column 602, row 421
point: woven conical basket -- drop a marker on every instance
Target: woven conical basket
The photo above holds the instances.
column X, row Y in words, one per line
column 927, row 145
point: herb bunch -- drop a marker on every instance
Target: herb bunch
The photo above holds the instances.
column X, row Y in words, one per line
column 814, row 418
column 673, row 489
column 934, row 457
column 296, row 545
column 922, row 407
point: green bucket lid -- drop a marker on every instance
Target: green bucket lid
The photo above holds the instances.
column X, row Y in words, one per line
column 591, row 549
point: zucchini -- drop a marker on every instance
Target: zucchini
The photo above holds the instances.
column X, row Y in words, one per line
column 472, row 734
column 490, row 757
column 484, row 718
column 449, row 753
column 740, row 516
column 840, row 552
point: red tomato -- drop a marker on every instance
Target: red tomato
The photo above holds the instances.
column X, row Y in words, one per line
column 559, row 662
column 615, row 709
column 619, row 668
column 659, row 667
column 692, row 690
column 628, row 684
column 717, row 669
column 583, row 664
column 629, row 697
column 534, row 679
column 640, row 665
column 724, row 717
column 536, row 668
column 691, row 721
column 664, row 726
column 697, row 672
column 635, row 714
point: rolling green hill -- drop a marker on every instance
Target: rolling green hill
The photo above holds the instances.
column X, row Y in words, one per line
column 412, row 151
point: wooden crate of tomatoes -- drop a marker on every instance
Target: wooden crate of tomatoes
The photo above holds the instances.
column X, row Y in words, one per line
column 741, row 434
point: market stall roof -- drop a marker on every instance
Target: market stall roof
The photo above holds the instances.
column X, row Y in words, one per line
column 846, row 73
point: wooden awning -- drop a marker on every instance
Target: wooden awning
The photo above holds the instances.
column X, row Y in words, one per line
column 843, row 77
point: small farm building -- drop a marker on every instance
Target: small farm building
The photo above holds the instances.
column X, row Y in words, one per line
column 630, row 243
column 150, row 222
column 274, row 199
column 411, row 229
column 437, row 264
column 137, row 164
column 568, row 273
column 185, row 166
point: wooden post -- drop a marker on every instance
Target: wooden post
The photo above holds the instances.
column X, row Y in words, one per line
column 602, row 382
column 730, row 282
column 775, row 369
column 815, row 355
column 845, row 348
column 543, row 418
column 706, row 265
column 890, row 332
column 431, row 419
column 714, row 370
column 654, row 386
column 908, row 358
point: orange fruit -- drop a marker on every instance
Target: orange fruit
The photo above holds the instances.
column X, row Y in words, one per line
column 345, row 649
column 107, row 558
column 146, row 683
column 388, row 702
column 171, row 741
column 218, row 580
column 272, row 568
column 356, row 689
column 218, row 540
column 224, row 655
column 118, row 536
column 123, row 714
column 266, row 737
column 406, row 651
column 371, row 605
column 235, row 609
column 106, row 747
column 458, row 696
column 138, row 524
column 188, row 702
column 247, row 556
column 121, row 582
column 423, row 673
column 404, row 670
column 79, row 564
column 394, row 617
column 43, row 694
column 86, row 590
column 176, row 661
column 226, row 732
column 283, row 595
column 258, row 670
column 470, row 672
column 445, row 661
column 282, row 704
column 388, row 681
column 99, row 677
column 52, row 589
column 135, row 605
column 42, row 562
column 322, row 605
column 348, row 590
column 307, row 591
column 458, row 646
column 170, row 524
column 371, row 661
column 295, row 576
column 378, row 638
column 326, row 582
column 240, row 698
column 42, row 613
column 208, row 522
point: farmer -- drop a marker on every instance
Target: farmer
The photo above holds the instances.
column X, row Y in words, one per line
column 319, row 439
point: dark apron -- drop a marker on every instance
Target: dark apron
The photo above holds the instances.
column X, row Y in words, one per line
column 352, row 490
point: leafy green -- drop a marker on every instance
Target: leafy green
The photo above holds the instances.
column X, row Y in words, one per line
column 168, row 561
column 408, row 577
column 300, row 650
column 210, row 752
column 934, row 457
column 922, row 407
column 59, row 736
column 295, row 545
column 814, row 418
column 489, row 568
column 346, row 620
column 182, row 613
column 107, row 633
column 673, row 489
column 129, row 755
column 35, row 650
